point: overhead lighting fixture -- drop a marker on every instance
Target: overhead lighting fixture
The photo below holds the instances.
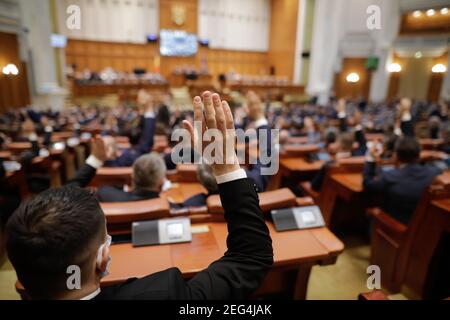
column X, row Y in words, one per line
column 444, row 11
column 431, row 12
column 439, row 68
column 394, row 67
column 10, row 69
column 417, row 13
column 352, row 77
column 418, row 55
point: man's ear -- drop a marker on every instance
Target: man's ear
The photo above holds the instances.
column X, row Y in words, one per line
column 105, row 258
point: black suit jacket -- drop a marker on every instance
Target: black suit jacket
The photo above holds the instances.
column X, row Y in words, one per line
column 401, row 188
column 85, row 175
column 235, row 276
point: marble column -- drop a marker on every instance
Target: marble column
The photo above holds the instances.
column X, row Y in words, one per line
column 37, row 20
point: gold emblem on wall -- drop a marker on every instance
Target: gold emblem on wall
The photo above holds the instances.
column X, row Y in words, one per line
column 179, row 14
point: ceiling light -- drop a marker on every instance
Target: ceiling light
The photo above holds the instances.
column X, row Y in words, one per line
column 439, row 68
column 10, row 69
column 418, row 55
column 431, row 12
column 444, row 11
column 394, row 67
column 352, row 77
column 417, row 13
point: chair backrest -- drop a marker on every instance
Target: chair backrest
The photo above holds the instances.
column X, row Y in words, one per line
column 121, row 215
column 186, row 173
column 112, row 176
column 439, row 189
column 352, row 164
column 18, row 147
column 270, row 200
column 327, row 196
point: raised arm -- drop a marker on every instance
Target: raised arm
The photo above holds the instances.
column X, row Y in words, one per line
column 372, row 181
column 86, row 173
column 249, row 256
column 148, row 134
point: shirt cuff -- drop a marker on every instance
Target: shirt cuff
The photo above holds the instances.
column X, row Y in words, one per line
column 235, row 175
column 406, row 117
column 398, row 131
column 33, row 137
column 342, row 115
column 358, row 127
column 94, row 162
column 150, row 114
column 261, row 122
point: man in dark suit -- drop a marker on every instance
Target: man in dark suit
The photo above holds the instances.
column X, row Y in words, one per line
column 142, row 142
column 344, row 150
column 402, row 187
column 206, row 178
column 149, row 175
column 66, row 227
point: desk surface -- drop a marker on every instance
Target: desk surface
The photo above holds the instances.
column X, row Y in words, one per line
column 443, row 204
column 352, row 181
column 300, row 164
column 180, row 192
column 291, row 249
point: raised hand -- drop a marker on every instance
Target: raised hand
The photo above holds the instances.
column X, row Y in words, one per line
column 98, row 149
column 210, row 112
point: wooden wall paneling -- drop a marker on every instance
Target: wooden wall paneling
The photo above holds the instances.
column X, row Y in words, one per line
column 345, row 89
column 96, row 56
column 434, row 86
column 283, row 31
column 14, row 91
column 394, row 81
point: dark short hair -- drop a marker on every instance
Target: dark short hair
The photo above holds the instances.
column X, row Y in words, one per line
column 407, row 150
column 55, row 230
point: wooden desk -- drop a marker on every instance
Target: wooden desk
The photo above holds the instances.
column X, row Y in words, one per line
column 297, row 168
column 112, row 176
column 347, row 187
column 349, row 183
column 429, row 144
column 125, row 90
column 180, row 192
column 5, row 155
column 293, row 262
column 434, row 225
column 374, row 136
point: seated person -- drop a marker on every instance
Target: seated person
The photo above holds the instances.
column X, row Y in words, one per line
column 142, row 142
column 402, row 187
column 66, row 227
column 405, row 121
column 149, row 175
column 206, row 177
column 344, row 149
column 9, row 198
column 255, row 113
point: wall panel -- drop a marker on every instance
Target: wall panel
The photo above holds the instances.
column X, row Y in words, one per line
column 344, row 89
column 96, row 56
column 283, row 34
column 14, row 91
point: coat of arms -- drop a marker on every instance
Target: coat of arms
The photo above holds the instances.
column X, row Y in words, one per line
column 178, row 14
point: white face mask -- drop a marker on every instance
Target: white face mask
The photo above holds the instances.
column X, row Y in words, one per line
column 107, row 244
